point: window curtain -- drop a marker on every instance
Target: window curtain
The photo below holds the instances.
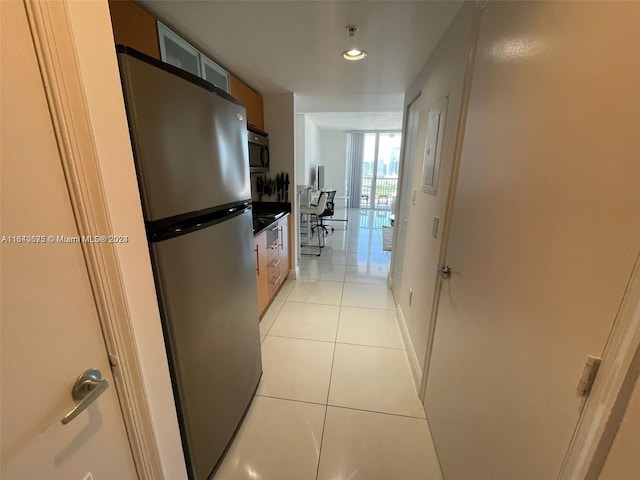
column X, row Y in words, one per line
column 355, row 151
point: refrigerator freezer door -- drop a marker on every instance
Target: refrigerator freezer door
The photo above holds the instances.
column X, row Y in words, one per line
column 208, row 296
column 190, row 144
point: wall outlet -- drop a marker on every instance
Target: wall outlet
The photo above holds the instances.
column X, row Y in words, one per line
column 413, row 196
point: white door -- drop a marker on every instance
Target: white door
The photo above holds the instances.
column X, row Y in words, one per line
column 50, row 328
column 402, row 206
column 544, row 234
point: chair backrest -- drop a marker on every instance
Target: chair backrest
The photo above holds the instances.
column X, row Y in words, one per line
column 330, row 207
column 322, row 204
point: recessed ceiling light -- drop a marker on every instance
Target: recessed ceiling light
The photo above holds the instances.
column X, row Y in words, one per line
column 353, row 53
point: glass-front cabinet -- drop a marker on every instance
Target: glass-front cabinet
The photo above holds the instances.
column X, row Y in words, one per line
column 214, row 73
column 176, row 51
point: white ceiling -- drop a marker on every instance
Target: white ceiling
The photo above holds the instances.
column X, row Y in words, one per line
column 295, row 46
column 345, row 121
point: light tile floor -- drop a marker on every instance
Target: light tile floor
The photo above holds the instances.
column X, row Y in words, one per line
column 336, row 400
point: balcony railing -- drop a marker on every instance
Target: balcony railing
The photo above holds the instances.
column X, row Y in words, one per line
column 384, row 195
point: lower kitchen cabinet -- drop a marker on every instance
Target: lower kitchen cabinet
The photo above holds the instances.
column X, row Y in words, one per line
column 272, row 261
column 262, row 276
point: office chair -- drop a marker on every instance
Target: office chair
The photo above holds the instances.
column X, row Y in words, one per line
column 328, row 212
column 310, row 212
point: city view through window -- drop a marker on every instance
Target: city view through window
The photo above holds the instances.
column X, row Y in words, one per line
column 380, row 169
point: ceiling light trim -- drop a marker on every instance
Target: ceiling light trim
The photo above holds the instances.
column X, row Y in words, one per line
column 353, row 53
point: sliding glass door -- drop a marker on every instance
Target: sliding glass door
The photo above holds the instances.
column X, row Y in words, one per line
column 380, row 169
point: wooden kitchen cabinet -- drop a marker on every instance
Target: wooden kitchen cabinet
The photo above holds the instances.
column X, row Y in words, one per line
column 272, row 261
column 262, row 274
column 251, row 99
column 283, row 224
column 134, row 26
column 279, row 256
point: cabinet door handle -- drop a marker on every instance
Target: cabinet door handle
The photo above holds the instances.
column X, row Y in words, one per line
column 274, row 265
column 277, row 280
column 257, row 261
column 281, row 238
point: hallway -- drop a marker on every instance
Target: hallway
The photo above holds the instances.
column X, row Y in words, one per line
column 336, row 400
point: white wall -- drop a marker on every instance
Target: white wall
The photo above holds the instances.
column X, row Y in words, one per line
column 312, row 148
column 442, row 74
column 280, row 123
column 91, row 25
column 348, row 103
column 333, row 155
column 301, row 173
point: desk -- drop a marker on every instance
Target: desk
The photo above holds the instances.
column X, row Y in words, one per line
column 346, row 211
column 304, row 196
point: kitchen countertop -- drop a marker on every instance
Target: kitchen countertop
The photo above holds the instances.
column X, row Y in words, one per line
column 265, row 214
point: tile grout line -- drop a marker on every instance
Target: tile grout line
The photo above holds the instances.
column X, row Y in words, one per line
column 368, row 346
column 377, row 412
column 326, row 408
column 333, row 359
column 305, row 339
column 307, row 402
column 276, row 316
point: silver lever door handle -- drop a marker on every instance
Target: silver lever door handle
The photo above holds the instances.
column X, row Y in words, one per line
column 445, row 272
column 88, row 387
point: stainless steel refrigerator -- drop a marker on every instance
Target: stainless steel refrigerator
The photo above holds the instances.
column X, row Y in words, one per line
column 190, row 150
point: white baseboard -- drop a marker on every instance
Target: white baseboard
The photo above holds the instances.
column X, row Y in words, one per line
column 294, row 273
column 414, row 363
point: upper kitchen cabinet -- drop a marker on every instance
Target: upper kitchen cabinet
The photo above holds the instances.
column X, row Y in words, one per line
column 214, row 73
column 177, row 52
column 251, row 99
column 135, row 27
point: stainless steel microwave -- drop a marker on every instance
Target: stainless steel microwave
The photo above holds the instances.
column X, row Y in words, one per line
column 258, row 151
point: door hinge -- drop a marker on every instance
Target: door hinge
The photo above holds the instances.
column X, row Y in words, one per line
column 588, row 376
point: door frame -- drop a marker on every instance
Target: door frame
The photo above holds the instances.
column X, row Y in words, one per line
column 410, row 126
column 605, row 406
column 55, row 51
